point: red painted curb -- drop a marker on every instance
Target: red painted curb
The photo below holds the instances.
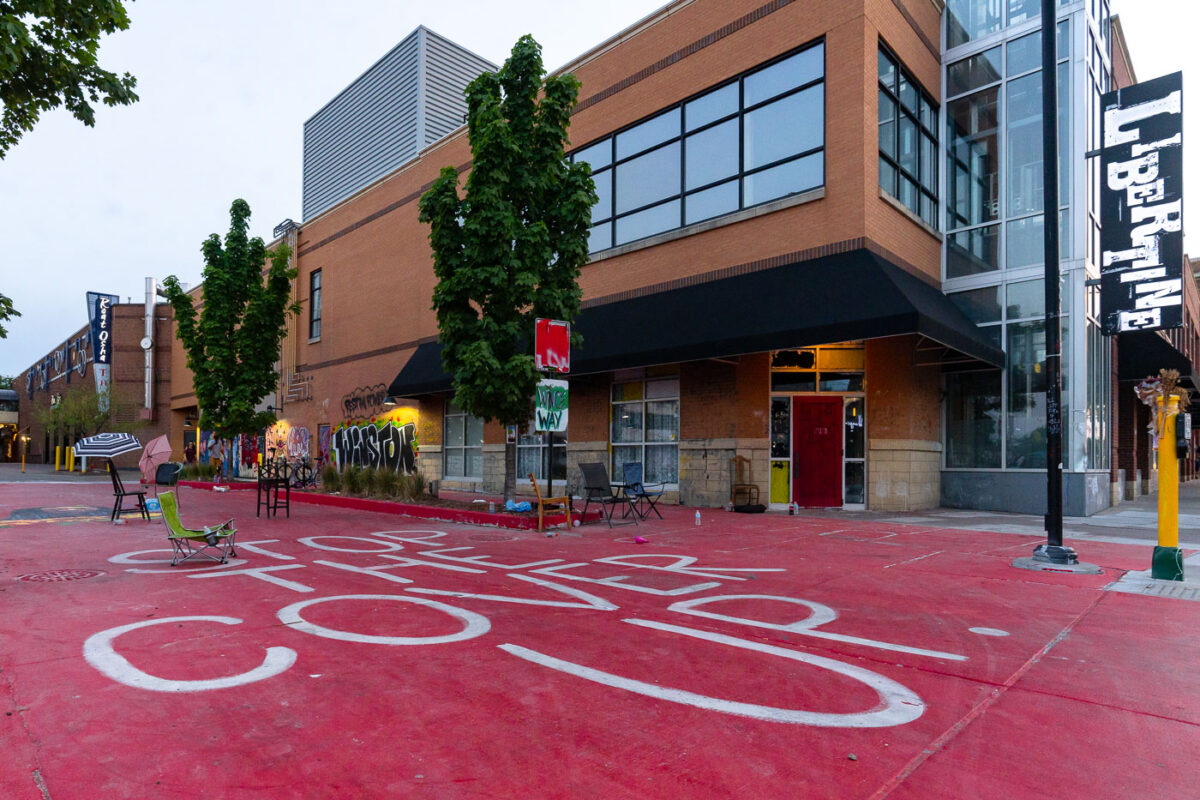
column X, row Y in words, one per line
column 409, row 509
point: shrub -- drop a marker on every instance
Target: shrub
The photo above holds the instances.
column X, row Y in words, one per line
column 386, row 482
column 331, row 479
column 352, row 479
column 370, row 482
column 419, row 485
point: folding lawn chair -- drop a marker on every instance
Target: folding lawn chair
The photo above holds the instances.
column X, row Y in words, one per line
column 637, row 491
column 189, row 543
column 597, row 489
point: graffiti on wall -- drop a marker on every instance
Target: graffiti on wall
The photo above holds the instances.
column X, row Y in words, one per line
column 363, row 401
column 287, row 441
column 324, row 439
column 72, row 355
column 249, row 450
column 387, row 441
column 298, row 442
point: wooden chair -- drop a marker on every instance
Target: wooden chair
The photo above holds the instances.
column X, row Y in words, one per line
column 740, row 482
column 542, row 502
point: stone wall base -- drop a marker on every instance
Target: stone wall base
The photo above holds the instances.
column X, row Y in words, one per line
column 903, row 474
column 704, row 469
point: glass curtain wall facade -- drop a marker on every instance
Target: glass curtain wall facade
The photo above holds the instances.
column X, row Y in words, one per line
column 994, row 216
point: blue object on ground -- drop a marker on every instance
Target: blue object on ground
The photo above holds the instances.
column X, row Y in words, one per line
column 521, row 506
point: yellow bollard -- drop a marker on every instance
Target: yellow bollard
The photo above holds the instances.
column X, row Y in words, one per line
column 1167, row 561
column 70, row 459
column 57, row 456
column 22, row 463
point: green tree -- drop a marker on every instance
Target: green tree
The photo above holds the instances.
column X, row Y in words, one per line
column 7, row 312
column 48, row 59
column 233, row 344
column 79, row 411
column 7, row 381
column 511, row 249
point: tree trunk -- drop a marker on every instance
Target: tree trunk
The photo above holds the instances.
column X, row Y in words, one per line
column 510, row 470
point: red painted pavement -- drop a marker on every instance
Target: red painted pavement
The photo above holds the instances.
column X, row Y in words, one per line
column 1090, row 694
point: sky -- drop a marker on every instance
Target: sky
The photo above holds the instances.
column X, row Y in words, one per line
column 225, row 88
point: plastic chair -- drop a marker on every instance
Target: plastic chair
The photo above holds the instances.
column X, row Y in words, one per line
column 637, row 491
column 121, row 493
column 598, row 489
column 188, row 543
column 542, row 502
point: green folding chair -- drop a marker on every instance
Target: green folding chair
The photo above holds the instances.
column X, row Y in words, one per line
column 213, row 543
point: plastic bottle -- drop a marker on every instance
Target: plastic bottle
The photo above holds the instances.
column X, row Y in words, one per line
column 697, row 518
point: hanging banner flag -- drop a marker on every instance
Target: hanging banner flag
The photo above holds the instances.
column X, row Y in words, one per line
column 1141, row 206
column 550, row 406
column 100, row 314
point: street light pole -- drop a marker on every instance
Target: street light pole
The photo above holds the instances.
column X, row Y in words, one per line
column 1053, row 550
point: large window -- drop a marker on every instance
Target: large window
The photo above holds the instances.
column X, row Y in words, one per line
column 908, row 146
column 970, row 20
column 1002, row 82
column 645, row 428
column 314, row 304
column 463, row 448
column 756, row 139
column 531, row 455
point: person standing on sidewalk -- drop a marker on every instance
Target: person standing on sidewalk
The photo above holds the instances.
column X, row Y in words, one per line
column 216, row 457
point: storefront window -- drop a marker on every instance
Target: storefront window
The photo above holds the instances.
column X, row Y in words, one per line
column 645, row 428
column 531, row 455
column 973, row 413
column 463, row 448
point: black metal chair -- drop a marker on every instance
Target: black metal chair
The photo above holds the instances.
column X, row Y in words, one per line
column 598, row 489
column 637, row 491
column 121, row 493
column 274, row 488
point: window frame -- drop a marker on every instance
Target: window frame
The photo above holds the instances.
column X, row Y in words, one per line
column 314, row 305
column 455, row 415
column 926, row 126
column 604, row 226
column 643, row 443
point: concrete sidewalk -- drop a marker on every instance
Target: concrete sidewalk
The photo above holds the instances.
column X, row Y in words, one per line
column 350, row 654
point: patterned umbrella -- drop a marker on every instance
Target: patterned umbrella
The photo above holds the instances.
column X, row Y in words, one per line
column 107, row 445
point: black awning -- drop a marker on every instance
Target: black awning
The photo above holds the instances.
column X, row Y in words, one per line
column 1141, row 354
column 836, row 298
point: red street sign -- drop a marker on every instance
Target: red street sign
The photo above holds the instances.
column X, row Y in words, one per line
column 552, row 345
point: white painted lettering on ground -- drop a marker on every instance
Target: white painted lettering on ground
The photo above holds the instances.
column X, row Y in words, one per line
column 820, row 615
column 897, row 704
column 682, row 565
column 589, row 600
column 264, row 574
column 473, row 624
column 98, row 651
column 388, row 547
column 622, row 581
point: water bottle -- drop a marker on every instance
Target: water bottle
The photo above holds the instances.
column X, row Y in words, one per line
column 697, row 518
column 791, row 509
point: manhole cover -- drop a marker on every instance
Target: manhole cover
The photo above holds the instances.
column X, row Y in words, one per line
column 490, row 537
column 59, row 575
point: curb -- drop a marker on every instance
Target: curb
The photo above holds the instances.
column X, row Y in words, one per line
column 465, row 516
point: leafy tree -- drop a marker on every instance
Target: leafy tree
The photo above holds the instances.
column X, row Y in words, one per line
column 48, row 59
column 7, row 312
column 80, row 411
column 7, row 381
column 233, row 344
column 511, row 249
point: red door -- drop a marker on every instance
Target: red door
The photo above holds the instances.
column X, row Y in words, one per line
column 817, row 451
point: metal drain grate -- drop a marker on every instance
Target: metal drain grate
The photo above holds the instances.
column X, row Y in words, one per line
column 490, row 537
column 60, row 575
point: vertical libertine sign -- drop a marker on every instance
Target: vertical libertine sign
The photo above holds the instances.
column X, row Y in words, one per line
column 1141, row 206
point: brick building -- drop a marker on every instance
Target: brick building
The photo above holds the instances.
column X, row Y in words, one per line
column 818, row 246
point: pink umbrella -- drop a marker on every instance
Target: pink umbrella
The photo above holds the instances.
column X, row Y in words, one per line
column 158, row 451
